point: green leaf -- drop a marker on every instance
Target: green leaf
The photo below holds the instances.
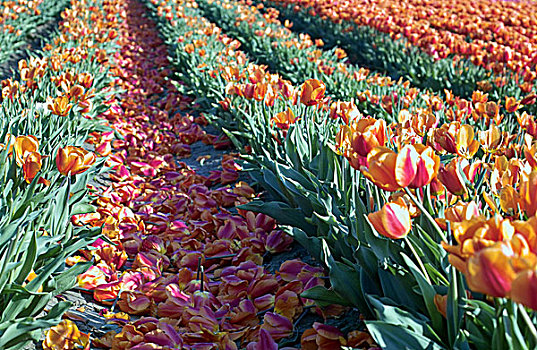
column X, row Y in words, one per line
column 324, row 297
column 390, row 336
column 427, row 292
column 281, row 212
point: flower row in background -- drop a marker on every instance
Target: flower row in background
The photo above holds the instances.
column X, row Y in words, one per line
column 20, row 20
column 373, row 42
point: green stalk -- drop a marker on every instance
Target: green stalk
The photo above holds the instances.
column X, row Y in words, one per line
column 529, row 322
column 427, row 214
column 420, row 263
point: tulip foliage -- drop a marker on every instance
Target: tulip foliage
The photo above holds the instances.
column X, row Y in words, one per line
column 40, row 191
column 20, row 21
column 423, row 44
column 421, row 214
column 417, row 197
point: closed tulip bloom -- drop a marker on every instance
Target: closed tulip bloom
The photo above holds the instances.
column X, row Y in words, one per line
column 393, row 220
column 524, row 288
column 451, row 178
column 312, row 92
column 23, row 146
column 380, row 170
column 74, row 160
column 511, row 104
column 491, row 271
column 31, row 166
column 528, row 194
column 416, row 166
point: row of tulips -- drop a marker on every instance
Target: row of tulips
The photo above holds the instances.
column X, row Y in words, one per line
column 176, row 254
column 400, row 223
column 492, row 34
column 295, row 57
column 20, row 20
column 46, row 116
column 395, row 54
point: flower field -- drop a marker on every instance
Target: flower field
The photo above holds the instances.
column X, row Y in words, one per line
column 269, row 174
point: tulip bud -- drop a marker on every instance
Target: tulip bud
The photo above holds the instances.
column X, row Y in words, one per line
column 451, row 177
column 393, row 220
column 312, row 92
column 524, row 289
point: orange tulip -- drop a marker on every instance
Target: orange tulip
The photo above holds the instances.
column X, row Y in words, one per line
column 347, row 111
column 440, row 301
column 65, row 336
column 74, row 160
column 284, row 119
column 393, row 220
column 416, row 166
column 528, row 194
column 312, row 92
column 31, row 166
column 23, row 146
column 524, row 288
column 511, row 104
column 458, row 139
column 380, row 170
column 451, row 177
column 60, row 106
column 491, row 271
column 491, row 139
column 357, row 139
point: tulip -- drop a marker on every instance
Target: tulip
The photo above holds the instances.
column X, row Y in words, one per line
column 23, row 146
column 458, row 139
column 440, row 301
column 60, row 106
column 524, row 289
column 451, row 177
column 284, row 119
column 491, row 139
column 528, row 194
column 346, row 111
column 74, row 160
column 66, row 336
column 31, row 166
column 380, row 170
column 393, row 220
column 511, row 104
column 356, row 140
column 416, row 166
column 491, row 271
column 312, row 92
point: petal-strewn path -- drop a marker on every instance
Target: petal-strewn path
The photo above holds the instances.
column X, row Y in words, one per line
column 186, row 269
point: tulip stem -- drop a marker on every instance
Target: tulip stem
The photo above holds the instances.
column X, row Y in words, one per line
column 420, row 263
column 427, row 214
column 529, row 322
